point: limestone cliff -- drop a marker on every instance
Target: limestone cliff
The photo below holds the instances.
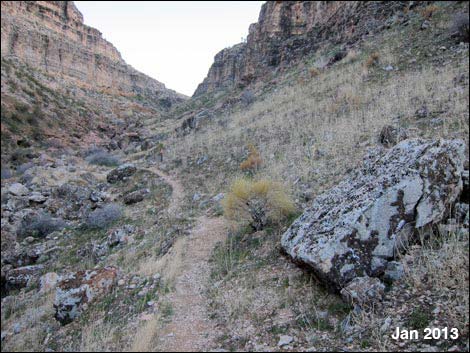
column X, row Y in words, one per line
column 51, row 36
column 286, row 31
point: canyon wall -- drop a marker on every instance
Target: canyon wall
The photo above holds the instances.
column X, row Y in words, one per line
column 286, row 31
column 51, row 36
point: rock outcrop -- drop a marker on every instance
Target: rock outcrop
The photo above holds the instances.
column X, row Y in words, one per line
column 51, row 36
column 356, row 228
column 286, row 31
column 76, row 290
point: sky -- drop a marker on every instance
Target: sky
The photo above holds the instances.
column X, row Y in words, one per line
column 173, row 42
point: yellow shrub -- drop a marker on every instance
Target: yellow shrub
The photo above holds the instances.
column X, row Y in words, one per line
column 314, row 72
column 253, row 161
column 428, row 11
column 372, row 60
column 257, row 203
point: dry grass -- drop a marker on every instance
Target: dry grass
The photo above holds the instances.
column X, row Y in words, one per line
column 429, row 11
column 97, row 336
column 442, row 263
column 290, row 122
column 257, row 202
column 143, row 341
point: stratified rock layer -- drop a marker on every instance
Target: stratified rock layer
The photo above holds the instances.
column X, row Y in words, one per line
column 356, row 228
column 51, row 36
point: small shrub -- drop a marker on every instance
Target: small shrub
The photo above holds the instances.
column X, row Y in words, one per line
column 40, row 225
column 372, row 60
column 247, row 97
column 460, row 27
column 314, row 72
column 103, row 158
column 429, row 10
column 22, row 155
column 419, row 319
column 257, row 203
column 103, row 217
column 253, row 161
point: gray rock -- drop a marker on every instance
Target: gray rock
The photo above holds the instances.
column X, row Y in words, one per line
column 37, row 197
column 18, row 189
column 136, row 196
column 363, row 291
column 218, row 197
column 23, row 276
column 355, row 229
column 284, row 340
column 121, row 173
column 394, row 271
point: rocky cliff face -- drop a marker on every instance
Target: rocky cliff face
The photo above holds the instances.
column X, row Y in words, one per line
column 51, row 36
column 288, row 30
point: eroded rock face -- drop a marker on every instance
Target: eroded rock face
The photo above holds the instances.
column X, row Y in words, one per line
column 356, row 228
column 77, row 289
column 287, row 31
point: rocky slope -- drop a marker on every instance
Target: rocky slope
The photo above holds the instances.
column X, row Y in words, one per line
column 286, row 31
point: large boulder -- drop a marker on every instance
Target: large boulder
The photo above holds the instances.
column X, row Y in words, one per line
column 354, row 229
column 75, row 290
column 121, row 173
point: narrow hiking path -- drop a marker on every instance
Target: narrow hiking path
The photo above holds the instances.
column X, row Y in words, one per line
column 187, row 270
column 190, row 328
column 177, row 195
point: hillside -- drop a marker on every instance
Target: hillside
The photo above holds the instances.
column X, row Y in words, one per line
column 312, row 195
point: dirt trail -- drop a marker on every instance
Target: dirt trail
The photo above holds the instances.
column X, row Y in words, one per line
column 186, row 266
column 177, row 195
column 190, row 328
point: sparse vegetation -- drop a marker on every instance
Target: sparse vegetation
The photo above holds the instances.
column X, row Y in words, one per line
column 40, row 225
column 104, row 217
column 102, row 157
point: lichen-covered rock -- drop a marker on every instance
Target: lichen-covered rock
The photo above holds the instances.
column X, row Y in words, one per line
column 355, row 228
column 23, row 276
column 79, row 288
column 135, row 196
column 363, row 291
column 121, row 173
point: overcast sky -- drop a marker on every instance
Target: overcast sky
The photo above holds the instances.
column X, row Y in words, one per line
column 173, row 42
